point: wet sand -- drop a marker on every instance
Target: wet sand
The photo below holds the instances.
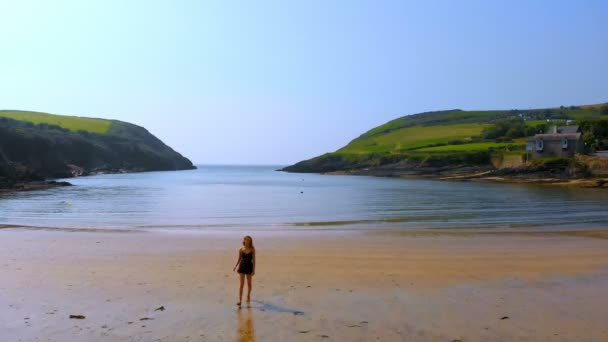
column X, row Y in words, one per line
column 309, row 286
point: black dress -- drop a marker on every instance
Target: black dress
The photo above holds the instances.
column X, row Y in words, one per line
column 246, row 265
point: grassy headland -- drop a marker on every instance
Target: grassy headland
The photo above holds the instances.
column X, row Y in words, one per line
column 35, row 146
column 454, row 139
column 72, row 123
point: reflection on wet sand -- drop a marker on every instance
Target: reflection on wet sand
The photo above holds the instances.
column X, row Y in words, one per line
column 246, row 331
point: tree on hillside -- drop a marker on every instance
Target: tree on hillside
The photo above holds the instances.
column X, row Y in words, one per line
column 595, row 134
column 510, row 128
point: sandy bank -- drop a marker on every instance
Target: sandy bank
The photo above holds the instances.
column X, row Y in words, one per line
column 309, row 286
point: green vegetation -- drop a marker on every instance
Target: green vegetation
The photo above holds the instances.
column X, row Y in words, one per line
column 449, row 117
column 512, row 128
column 595, row 133
column 455, row 127
column 72, row 123
column 413, row 137
column 452, row 137
column 551, row 162
column 587, row 112
column 483, row 146
column 559, row 165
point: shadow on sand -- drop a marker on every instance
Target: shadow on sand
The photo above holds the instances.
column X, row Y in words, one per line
column 263, row 306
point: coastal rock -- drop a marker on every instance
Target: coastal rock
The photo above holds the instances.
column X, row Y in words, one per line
column 6, row 170
column 33, row 185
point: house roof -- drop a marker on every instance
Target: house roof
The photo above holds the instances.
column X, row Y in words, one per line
column 556, row 136
column 567, row 129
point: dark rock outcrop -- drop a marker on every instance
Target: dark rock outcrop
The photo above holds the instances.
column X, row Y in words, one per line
column 7, row 173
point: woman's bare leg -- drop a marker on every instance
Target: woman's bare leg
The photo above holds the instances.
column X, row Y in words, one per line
column 242, row 281
column 248, row 287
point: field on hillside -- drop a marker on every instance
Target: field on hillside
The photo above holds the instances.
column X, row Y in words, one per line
column 587, row 112
column 425, row 131
column 448, row 117
column 448, row 137
column 483, row 146
column 72, row 123
column 414, row 137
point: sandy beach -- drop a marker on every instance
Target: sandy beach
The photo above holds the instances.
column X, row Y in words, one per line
column 309, row 286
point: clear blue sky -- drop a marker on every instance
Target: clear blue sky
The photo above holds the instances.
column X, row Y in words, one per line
column 257, row 82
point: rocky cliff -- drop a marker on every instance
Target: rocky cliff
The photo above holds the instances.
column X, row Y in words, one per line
column 31, row 149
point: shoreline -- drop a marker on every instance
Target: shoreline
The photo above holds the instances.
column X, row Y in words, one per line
column 54, row 182
column 368, row 285
column 34, row 186
column 481, row 177
column 361, row 227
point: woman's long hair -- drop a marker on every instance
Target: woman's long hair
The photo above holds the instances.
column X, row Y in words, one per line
column 250, row 240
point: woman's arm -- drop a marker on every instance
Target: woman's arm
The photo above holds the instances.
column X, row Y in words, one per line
column 253, row 271
column 237, row 262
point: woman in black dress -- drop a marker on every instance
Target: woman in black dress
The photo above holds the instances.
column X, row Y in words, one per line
column 246, row 265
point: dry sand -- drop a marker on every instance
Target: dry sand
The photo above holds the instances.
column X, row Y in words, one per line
column 309, row 286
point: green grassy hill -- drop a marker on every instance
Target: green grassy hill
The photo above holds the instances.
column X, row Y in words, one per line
column 410, row 138
column 442, row 138
column 72, row 123
column 35, row 146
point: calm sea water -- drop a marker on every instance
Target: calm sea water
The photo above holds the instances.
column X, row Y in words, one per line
column 257, row 197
